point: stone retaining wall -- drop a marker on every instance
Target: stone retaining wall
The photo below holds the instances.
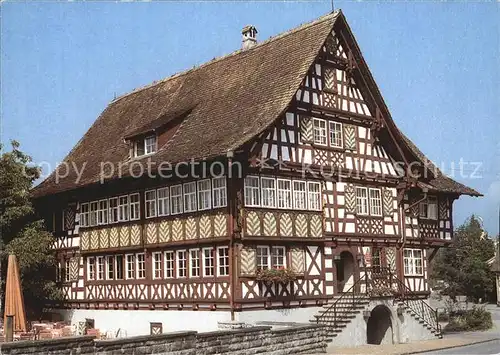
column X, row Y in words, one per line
column 261, row 339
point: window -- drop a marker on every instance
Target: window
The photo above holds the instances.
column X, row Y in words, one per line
column 362, row 200
column 141, row 266
column 176, row 199
column 91, row 268
column 130, row 266
column 268, row 192
column 223, row 253
column 428, row 208
column 163, row 202
column 84, row 215
column 263, row 261
column 413, row 262
column 102, row 212
column 376, row 259
column 278, row 257
column 150, row 144
column 150, row 198
column 110, row 267
column 119, row 267
column 252, row 193
column 123, row 208
column 208, row 262
column 299, row 195
column 219, row 192
column 67, row 274
column 194, row 263
column 100, row 267
column 284, row 193
column 93, row 213
column 169, row 264
column 314, row 195
column 336, row 134
column 113, row 210
column 157, row 263
column 190, row 197
column 135, row 208
column 375, row 202
column 204, row 195
column 181, row 263
column 319, row 131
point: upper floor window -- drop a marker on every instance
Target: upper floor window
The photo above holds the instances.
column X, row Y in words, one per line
column 284, row 193
column 163, row 202
column 123, row 208
column 157, row 265
column 176, row 199
column 268, row 192
column 181, row 263
column 194, row 263
column 204, row 194
column 299, row 195
column 208, row 262
column 84, row 215
column 169, row 264
column 271, row 257
column 375, row 202
column 335, row 134
column 219, row 192
column 135, row 209
column 145, row 146
column 150, row 199
column 413, row 262
column 102, row 212
column 113, row 210
column 223, row 261
column 428, row 208
column 141, row 265
column 252, row 191
column 93, row 213
column 190, row 197
column 90, row 268
column 314, row 193
column 319, row 131
column 362, row 200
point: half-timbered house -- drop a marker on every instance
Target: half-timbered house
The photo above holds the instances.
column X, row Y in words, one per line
column 281, row 155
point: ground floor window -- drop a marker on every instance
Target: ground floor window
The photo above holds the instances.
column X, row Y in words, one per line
column 413, row 262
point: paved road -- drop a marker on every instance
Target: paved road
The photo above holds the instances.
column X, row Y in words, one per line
column 489, row 348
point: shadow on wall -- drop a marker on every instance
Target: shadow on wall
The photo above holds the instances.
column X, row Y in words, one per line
column 379, row 327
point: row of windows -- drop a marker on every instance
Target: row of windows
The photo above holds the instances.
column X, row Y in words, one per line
column 282, row 193
column 204, row 262
column 327, row 133
column 176, row 199
column 368, row 201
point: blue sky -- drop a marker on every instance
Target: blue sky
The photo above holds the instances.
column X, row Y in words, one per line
column 437, row 65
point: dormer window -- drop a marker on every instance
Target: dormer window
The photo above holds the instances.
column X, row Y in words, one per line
column 145, row 146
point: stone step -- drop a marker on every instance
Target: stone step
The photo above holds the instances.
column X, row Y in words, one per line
column 332, row 316
column 346, row 305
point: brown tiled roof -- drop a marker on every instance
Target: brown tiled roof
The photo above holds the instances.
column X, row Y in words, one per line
column 223, row 103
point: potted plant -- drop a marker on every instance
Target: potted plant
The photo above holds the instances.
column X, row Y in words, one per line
column 276, row 275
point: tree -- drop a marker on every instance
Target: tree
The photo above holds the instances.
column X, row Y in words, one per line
column 463, row 265
column 22, row 233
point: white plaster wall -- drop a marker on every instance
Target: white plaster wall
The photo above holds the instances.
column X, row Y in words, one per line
column 136, row 322
column 298, row 315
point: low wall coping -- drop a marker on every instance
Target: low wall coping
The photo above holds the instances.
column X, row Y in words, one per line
column 139, row 338
column 45, row 342
column 233, row 331
column 297, row 327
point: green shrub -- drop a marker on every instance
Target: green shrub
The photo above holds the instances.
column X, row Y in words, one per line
column 477, row 318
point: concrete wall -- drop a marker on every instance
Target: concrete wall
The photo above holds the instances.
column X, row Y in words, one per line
column 264, row 339
column 298, row 315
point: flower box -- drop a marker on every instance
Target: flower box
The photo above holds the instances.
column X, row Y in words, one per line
column 276, row 275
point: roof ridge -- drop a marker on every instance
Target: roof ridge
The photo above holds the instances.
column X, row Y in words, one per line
column 303, row 26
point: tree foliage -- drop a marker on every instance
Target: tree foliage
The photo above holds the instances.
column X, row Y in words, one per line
column 22, row 233
column 463, row 265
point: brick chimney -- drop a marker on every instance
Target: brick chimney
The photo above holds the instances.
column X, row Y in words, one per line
column 249, row 37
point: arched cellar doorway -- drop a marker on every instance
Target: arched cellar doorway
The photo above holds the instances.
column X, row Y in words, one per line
column 379, row 327
column 345, row 271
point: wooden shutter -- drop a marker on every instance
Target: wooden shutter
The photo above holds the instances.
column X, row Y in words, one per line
column 248, row 259
column 349, row 137
column 350, row 199
column 388, row 201
column 306, row 129
column 298, row 260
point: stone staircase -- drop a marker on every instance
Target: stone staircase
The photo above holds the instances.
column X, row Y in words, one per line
column 406, row 306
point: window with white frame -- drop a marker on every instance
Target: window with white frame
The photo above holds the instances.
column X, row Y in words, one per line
column 194, row 263
column 252, row 191
column 141, row 265
column 314, row 195
column 157, row 265
column 190, row 197
column 84, row 215
column 181, row 263
column 150, row 144
column 299, row 195
column 263, row 260
column 176, row 199
column 335, row 134
column 67, row 273
column 150, row 200
column 123, row 208
column 375, row 202
column 219, row 192
column 113, row 210
column 119, row 267
column 110, row 267
column 130, row 266
column 428, row 208
column 100, row 268
column 93, row 213
column 319, row 131
column 362, row 200
column 163, row 202
column 169, row 264
column 268, row 188
column 102, row 212
column 413, row 263
column 208, row 262
column 91, row 268
column 204, row 194
column 223, row 258
column 135, row 207
column 284, row 193
column 278, row 259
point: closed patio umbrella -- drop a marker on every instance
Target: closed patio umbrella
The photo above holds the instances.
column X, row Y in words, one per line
column 14, row 301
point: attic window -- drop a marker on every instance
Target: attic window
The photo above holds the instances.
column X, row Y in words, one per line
column 145, row 146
